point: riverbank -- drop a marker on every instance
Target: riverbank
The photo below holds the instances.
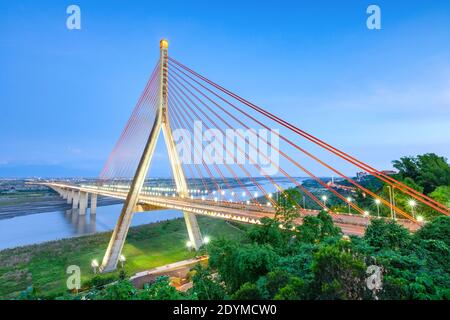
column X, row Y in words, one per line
column 148, row 246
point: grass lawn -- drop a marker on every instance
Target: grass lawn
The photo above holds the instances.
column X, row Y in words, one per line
column 44, row 265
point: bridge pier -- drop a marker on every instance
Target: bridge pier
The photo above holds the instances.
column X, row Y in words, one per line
column 93, row 203
column 75, row 200
column 83, row 202
column 69, row 196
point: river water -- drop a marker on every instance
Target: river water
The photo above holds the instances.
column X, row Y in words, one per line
column 41, row 227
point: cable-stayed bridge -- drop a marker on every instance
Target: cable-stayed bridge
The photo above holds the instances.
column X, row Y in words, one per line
column 220, row 144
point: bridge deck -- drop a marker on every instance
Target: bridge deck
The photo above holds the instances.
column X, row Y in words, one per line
column 350, row 224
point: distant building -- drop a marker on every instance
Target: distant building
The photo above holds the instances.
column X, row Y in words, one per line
column 388, row 172
column 361, row 175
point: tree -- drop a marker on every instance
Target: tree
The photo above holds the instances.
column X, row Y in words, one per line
column 296, row 289
column 383, row 234
column 287, row 209
column 314, row 229
column 270, row 284
column 434, row 171
column 121, row 290
column 438, row 229
column 339, row 273
column 407, row 167
column 428, row 170
column 205, row 286
column 442, row 195
column 269, row 233
column 327, row 227
column 253, row 261
column 238, row 264
column 248, row 291
column 161, row 289
column 309, row 230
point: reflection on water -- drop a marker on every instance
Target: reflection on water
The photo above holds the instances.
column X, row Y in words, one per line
column 36, row 228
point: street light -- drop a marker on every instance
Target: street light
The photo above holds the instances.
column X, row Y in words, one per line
column 122, row 260
column 94, row 265
column 412, row 204
column 189, row 245
column 377, row 202
column 324, row 198
column 366, row 213
column 420, row 219
column 349, row 200
column 206, row 240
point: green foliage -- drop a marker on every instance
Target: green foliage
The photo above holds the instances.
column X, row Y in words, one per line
column 309, row 230
column 339, row 273
column 270, row 284
column 438, row 229
column 287, row 206
column 252, row 261
column 98, row 281
column 442, row 195
column 327, row 227
column 317, row 228
column 428, row 170
column 121, row 290
column 204, row 285
column 296, row 289
column 238, row 264
column 383, row 234
column 159, row 290
column 28, row 294
column 248, row 291
column 268, row 233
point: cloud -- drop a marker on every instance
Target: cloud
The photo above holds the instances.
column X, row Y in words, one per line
column 74, row 150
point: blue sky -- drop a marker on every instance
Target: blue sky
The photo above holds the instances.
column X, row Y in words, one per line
column 65, row 95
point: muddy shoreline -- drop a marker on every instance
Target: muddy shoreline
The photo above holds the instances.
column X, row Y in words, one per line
column 47, row 204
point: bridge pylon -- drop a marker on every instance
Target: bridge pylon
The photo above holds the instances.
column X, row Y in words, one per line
column 161, row 123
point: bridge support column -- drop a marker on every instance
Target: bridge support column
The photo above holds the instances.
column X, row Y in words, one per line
column 64, row 193
column 75, row 200
column 83, row 203
column 93, row 203
column 69, row 196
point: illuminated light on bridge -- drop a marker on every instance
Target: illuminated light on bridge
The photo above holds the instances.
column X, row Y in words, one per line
column 176, row 97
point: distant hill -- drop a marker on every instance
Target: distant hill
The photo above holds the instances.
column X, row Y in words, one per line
column 43, row 171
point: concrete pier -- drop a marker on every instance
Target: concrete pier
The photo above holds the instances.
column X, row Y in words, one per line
column 83, row 202
column 75, row 200
column 93, row 203
column 69, row 196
